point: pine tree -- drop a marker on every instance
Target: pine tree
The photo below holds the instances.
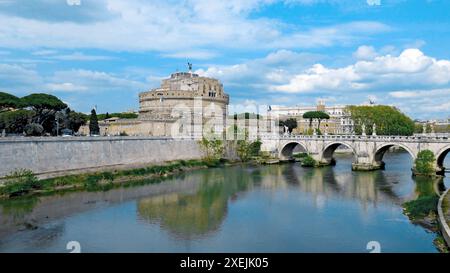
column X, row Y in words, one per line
column 94, row 129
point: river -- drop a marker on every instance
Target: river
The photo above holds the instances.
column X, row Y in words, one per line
column 275, row 208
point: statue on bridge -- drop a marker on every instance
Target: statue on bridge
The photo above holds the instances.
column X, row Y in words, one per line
column 374, row 129
column 363, row 129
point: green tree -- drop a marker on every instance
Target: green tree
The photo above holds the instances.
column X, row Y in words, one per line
column 308, row 161
column 40, row 102
column 214, row 149
column 247, row 149
column 94, row 129
column 388, row 120
column 75, row 120
column 291, row 123
column 255, row 148
column 117, row 115
column 34, row 129
column 45, row 106
column 14, row 122
column 319, row 115
column 8, row 101
column 424, row 163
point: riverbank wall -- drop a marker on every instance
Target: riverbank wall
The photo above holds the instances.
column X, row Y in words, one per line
column 444, row 215
column 57, row 155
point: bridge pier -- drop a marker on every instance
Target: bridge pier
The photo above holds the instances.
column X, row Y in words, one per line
column 322, row 161
column 367, row 166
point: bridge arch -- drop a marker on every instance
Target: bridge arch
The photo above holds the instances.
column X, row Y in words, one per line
column 287, row 150
column 440, row 156
column 328, row 151
column 381, row 151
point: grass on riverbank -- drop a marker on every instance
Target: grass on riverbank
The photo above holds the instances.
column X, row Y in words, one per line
column 421, row 207
column 24, row 183
column 446, row 208
column 300, row 155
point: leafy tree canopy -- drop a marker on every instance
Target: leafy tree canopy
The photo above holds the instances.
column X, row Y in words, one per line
column 424, row 162
column 316, row 115
column 42, row 101
column 388, row 120
column 117, row 115
column 14, row 122
column 8, row 100
column 76, row 120
column 291, row 123
column 319, row 115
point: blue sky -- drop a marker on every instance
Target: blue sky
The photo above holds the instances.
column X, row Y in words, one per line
column 291, row 52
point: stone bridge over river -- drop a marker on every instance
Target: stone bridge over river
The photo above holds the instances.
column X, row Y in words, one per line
column 368, row 151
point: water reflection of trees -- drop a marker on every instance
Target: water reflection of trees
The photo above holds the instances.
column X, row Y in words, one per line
column 196, row 215
column 428, row 186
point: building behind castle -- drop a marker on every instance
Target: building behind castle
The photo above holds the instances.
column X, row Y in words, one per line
column 340, row 121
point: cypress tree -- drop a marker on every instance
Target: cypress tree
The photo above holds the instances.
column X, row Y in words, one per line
column 94, row 129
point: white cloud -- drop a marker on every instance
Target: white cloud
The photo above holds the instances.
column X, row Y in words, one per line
column 166, row 26
column 44, row 52
column 411, row 69
column 194, row 54
column 276, row 67
column 97, row 81
column 373, row 2
column 423, row 103
column 79, row 56
column 408, row 94
column 65, row 87
column 73, row 2
column 365, row 52
column 14, row 76
column 20, row 80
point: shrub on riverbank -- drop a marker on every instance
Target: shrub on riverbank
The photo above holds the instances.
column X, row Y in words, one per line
column 213, row 148
column 24, row 182
column 421, row 207
column 247, row 149
column 20, row 182
column 300, row 155
column 308, row 161
column 424, row 163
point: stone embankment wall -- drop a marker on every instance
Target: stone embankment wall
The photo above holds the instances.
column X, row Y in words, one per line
column 52, row 154
column 444, row 215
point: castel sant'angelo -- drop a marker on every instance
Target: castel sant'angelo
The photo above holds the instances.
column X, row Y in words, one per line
column 185, row 95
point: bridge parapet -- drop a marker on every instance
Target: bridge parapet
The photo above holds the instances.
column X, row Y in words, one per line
column 440, row 138
column 368, row 150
